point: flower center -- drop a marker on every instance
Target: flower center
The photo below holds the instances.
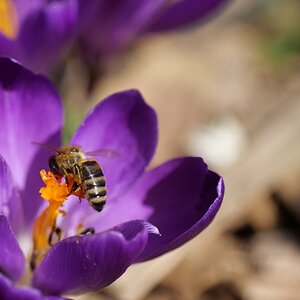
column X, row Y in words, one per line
column 8, row 19
column 45, row 230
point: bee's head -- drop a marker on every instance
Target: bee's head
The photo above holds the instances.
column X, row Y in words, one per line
column 53, row 165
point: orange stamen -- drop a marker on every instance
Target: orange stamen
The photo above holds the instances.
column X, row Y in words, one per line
column 56, row 193
column 8, row 19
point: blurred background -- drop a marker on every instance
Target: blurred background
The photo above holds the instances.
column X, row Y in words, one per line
column 228, row 91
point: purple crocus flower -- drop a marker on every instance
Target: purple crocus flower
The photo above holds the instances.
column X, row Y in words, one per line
column 37, row 32
column 107, row 27
column 148, row 212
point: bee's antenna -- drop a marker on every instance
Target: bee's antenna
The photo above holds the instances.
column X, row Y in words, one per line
column 46, row 146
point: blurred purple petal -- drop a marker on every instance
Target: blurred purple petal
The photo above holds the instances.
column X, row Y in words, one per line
column 185, row 12
column 180, row 197
column 10, row 201
column 123, row 123
column 91, row 262
column 24, row 8
column 45, row 29
column 12, row 261
column 30, row 111
column 9, row 292
column 56, row 24
column 112, row 25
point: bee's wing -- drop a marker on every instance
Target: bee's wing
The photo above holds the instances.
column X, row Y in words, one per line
column 46, row 146
column 103, row 152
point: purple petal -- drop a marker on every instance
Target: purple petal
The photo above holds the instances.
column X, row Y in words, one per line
column 125, row 124
column 45, row 30
column 30, row 111
column 10, row 201
column 12, row 261
column 56, row 23
column 180, row 197
column 112, row 25
column 185, row 12
column 191, row 221
column 7, row 47
column 91, row 262
column 9, row 292
column 24, row 8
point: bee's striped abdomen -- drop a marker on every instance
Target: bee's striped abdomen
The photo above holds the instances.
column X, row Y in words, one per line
column 93, row 183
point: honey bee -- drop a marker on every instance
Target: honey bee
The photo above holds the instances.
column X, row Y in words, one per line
column 71, row 162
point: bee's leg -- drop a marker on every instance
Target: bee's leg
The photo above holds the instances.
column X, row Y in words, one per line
column 68, row 180
column 58, row 233
column 78, row 179
column 75, row 187
column 89, row 230
column 65, row 172
column 79, row 193
column 77, row 190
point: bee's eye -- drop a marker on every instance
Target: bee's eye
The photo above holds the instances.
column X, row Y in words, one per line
column 53, row 165
column 74, row 150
